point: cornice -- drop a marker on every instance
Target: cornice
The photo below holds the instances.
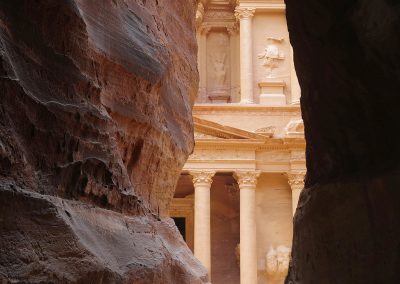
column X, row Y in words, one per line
column 251, row 144
column 264, row 5
column 223, row 131
column 238, row 108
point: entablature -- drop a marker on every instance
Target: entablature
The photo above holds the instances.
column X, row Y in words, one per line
column 263, row 5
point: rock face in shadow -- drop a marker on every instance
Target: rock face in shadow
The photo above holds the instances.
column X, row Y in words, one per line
column 347, row 224
column 95, row 126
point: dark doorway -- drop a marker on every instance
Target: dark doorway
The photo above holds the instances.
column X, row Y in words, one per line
column 180, row 222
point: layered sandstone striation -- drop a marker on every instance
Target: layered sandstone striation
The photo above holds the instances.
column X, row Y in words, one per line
column 347, row 224
column 95, row 125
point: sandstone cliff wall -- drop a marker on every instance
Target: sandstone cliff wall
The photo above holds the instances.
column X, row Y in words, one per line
column 347, row 225
column 95, row 125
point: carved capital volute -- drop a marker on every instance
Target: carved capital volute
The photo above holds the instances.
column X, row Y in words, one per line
column 296, row 180
column 202, row 178
column 244, row 13
column 247, row 178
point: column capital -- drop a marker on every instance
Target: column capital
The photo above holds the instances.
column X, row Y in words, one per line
column 202, row 177
column 247, row 177
column 204, row 30
column 244, row 13
column 296, row 179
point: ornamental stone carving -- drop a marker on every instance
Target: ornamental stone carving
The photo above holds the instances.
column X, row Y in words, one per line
column 277, row 264
column 202, row 177
column 199, row 14
column 272, row 56
column 296, row 180
column 248, row 178
column 244, row 13
column 295, row 127
column 204, row 30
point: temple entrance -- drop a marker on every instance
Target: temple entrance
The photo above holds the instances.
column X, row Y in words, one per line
column 180, row 223
column 225, row 229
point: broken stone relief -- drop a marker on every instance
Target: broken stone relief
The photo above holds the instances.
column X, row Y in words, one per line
column 272, row 56
column 277, row 264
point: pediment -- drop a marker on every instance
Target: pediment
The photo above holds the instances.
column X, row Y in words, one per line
column 206, row 129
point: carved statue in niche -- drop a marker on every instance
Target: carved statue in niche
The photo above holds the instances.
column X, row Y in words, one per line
column 277, row 264
column 272, row 56
column 218, row 59
column 219, row 68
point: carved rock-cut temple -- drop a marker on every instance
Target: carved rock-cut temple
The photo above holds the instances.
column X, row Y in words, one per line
column 238, row 190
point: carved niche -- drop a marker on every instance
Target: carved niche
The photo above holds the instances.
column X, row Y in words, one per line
column 218, row 65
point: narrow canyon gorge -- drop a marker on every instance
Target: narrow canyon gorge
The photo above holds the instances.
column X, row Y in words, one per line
column 95, row 126
column 347, row 224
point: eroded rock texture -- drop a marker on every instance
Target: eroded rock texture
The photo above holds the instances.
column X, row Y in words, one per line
column 95, row 125
column 347, row 56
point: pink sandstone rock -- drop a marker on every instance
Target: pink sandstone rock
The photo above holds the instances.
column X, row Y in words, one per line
column 95, row 126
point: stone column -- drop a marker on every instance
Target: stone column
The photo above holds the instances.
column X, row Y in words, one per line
column 248, row 239
column 294, row 82
column 296, row 182
column 245, row 15
column 202, row 233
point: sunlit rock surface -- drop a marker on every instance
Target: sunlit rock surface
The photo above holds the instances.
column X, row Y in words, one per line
column 95, row 125
column 347, row 225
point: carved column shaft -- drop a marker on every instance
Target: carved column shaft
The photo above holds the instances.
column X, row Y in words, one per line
column 202, row 226
column 296, row 182
column 245, row 15
column 248, row 236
